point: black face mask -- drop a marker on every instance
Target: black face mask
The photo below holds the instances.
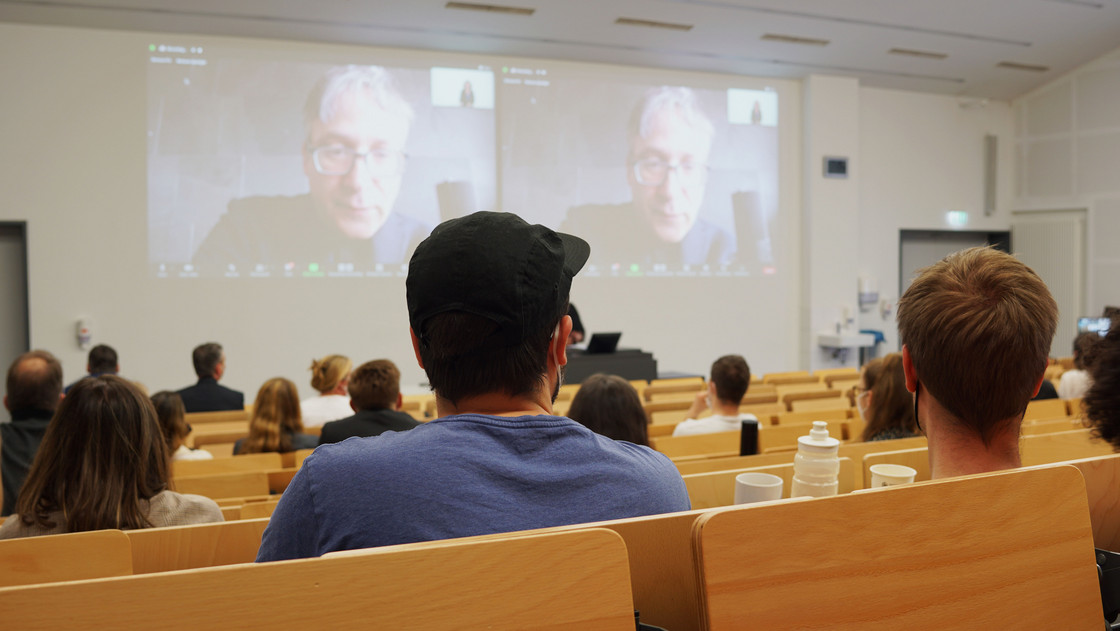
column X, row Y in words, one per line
column 917, row 389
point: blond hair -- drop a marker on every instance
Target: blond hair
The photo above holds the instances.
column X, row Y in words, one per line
column 328, row 372
column 276, row 417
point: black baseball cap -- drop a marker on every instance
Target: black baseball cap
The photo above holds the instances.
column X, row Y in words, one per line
column 494, row 265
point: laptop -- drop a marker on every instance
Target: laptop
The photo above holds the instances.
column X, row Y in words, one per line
column 602, row 343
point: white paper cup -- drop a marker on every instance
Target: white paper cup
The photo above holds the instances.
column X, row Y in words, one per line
column 757, row 487
column 891, row 475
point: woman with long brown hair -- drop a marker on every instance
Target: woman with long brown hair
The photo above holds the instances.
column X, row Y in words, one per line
column 276, row 424
column 103, row 463
column 883, row 400
column 172, row 420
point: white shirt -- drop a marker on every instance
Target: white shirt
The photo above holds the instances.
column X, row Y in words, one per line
column 712, row 424
column 186, row 453
column 319, row 410
column 1074, row 384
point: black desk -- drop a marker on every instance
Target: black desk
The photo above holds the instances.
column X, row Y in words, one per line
column 628, row 363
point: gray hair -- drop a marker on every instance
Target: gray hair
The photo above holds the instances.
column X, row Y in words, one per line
column 679, row 100
column 377, row 83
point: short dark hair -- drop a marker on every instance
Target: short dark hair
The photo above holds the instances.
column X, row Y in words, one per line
column 1085, row 347
column 172, row 418
column 1102, row 401
column 102, row 359
column 732, row 377
column 34, row 382
column 609, row 405
column 375, row 385
column 463, row 357
column 102, row 456
column 206, row 358
column 978, row 327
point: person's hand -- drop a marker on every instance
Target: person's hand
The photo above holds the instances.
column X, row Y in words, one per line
column 699, row 404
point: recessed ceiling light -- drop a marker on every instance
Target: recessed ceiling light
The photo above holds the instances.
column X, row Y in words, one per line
column 654, row 24
column 490, row 8
column 916, row 53
column 793, row 39
column 1011, row 65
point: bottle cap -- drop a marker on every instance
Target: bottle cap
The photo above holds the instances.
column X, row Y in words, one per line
column 818, row 439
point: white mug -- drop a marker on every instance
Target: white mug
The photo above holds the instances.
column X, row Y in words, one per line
column 891, row 475
column 757, row 487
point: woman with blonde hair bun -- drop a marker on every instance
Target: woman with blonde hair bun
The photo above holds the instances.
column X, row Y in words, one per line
column 329, row 376
column 276, row 423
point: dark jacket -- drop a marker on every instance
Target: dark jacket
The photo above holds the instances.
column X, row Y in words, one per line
column 208, row 396
column 366, row 423
column 19, row 442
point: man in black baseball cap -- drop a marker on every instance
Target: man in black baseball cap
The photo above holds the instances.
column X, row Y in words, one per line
column 487, row 302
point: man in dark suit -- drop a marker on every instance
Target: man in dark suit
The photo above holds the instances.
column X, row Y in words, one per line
column 375, row 395
column 34, row 389
column 207, row 395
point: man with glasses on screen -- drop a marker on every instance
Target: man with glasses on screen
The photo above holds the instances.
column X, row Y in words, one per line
column 667, row 172
column 357, row 123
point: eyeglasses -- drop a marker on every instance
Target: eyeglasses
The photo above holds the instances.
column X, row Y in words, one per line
column 336, row 160
column 858, row 391
column 654, row 171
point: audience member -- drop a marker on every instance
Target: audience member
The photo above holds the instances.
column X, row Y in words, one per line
column 1046, row 391
column 173, row 424
column 207, row 395
column 375, row 396
column 34, row 389
column 102, row 360
column 103, row 465
column 276, row 423
column 1074, row 383
column 1102, row 401
column 730, row 378
column 976, row 330
column 883, row 401
column 609, row 405
column 330, row 376
column 487, row 299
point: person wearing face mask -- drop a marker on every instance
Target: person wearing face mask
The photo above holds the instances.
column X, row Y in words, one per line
column 882, row 399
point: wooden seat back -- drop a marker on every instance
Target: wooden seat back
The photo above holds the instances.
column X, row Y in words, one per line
column 788, row 377
column 219, row 485
column 662, row 391
column 69, row 557
column 577, row 580
column 807, row 418
column 1046, row 409
column 821, row 404
column 917, row 459
column 974, row 552
column 855, row 451
column 199, row 418
column 699, row 444
column 1102, row 478
column 786, row 435
column 716, row 489
column 195, row 546
column 245, row 462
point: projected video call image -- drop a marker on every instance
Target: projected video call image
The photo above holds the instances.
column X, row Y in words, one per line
column 660, row 179
column 260, row 168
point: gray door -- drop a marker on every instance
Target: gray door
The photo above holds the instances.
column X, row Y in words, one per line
column 15, row 338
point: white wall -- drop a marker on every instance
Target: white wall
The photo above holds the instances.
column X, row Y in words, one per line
column 922, row 156
column 1068, row 149
column 72, row 164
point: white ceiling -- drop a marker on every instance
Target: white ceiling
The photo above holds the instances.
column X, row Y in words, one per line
column 725, row 35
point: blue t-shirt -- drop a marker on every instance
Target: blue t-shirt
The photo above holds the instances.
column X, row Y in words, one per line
column 465, row 475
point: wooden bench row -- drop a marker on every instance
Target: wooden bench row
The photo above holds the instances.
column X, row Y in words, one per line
column 1015, row 545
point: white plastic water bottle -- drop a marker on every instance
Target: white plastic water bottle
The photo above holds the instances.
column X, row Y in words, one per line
column 816, row 467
